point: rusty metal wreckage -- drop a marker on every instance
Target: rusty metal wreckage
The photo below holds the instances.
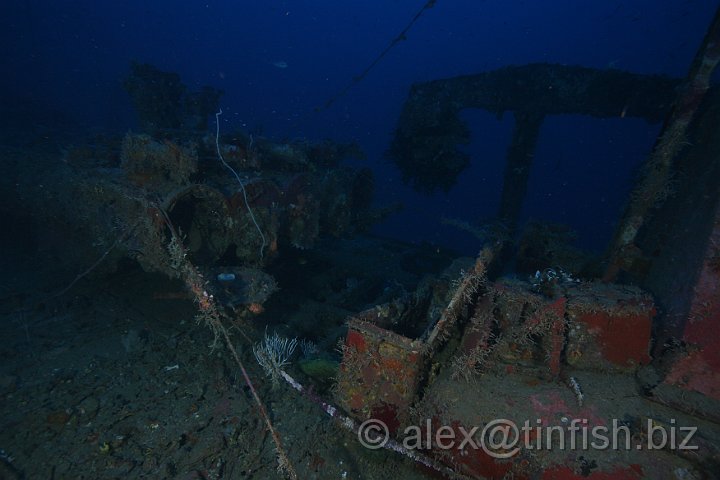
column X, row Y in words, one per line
column 414, row 354
column 547, row 341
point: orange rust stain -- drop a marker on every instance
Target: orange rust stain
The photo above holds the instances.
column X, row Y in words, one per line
column 357, row 340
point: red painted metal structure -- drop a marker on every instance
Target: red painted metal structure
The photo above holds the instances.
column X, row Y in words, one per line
column 507, row 347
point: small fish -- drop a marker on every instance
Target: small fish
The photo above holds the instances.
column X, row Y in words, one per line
column 280, row 64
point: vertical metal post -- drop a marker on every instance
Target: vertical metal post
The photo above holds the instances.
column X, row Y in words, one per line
column 520, row 156
column 658, row 168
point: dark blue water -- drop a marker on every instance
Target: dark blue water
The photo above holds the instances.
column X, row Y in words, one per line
column 278, row 61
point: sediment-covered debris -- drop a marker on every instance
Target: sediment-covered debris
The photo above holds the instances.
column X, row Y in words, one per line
column 111, row 198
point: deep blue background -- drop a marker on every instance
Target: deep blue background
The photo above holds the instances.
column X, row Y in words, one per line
column 71, row 56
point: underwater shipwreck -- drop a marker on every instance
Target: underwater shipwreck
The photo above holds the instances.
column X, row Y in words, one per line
column 487, row 346
column 495, row 359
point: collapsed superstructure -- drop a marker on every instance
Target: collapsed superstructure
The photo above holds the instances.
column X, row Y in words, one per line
column 430, row 130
